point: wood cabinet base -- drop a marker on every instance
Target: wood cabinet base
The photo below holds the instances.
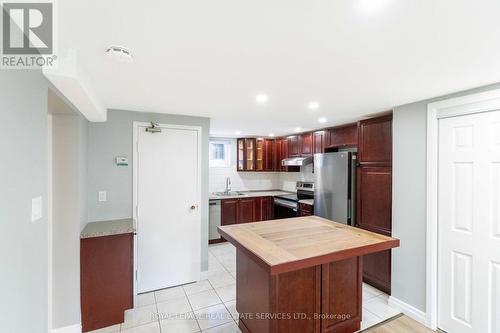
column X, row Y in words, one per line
column 106, row 280
column 322, row 298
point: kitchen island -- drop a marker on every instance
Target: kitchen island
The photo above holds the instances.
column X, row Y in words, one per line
column 301, row 274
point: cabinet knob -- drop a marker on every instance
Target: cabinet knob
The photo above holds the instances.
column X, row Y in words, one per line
column 193, row 207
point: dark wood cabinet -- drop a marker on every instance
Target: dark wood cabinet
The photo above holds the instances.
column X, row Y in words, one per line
column 318, row 142
column 269, row 155
column 375, row 141
column 305, row 209
column 229, row 211
column 374, row 194
column 293, row 148
column 106, row 275
column 264, row 209
column 377, row 270
column 246, row 210
column 260, row 152
column 374, row 199
column 306, row 144
column 246, row 151
column 342, row 136
column 240, row 151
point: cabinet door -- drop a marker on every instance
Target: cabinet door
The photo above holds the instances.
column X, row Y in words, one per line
column 305, row 144
column 318, row 142
column 269, row 154
column 278, row 156
column 293, row 146
column 374, row 199
column 250, row 154
column 229, row 211
column 306, row 210
column 377, row 270
column 241, row 155
column 259, row 154
column 263, row 207
column 342, row 136
column 375, row 141
column 246, row 210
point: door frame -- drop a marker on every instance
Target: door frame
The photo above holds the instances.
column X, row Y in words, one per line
column 135, row 145
column 453, row 107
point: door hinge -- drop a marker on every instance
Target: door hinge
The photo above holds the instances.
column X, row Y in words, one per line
column 136, row 274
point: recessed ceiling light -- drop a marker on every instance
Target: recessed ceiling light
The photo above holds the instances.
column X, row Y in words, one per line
column 237, row 132
column 298, row 129
column 271, row 135
column 313, row 105
column 261, row 98
column 119, row 53
column 322, row 120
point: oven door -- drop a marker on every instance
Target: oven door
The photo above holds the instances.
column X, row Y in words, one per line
column 284, row 209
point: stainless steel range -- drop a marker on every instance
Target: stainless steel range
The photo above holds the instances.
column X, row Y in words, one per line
column 286, row 206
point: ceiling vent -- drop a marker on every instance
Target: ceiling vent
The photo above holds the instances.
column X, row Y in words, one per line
column 119, row 53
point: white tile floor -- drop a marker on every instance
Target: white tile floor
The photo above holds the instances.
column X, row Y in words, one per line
column 210, row 306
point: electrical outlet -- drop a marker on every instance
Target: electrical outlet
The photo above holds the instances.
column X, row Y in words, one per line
column 36, row 209
column 103, row 196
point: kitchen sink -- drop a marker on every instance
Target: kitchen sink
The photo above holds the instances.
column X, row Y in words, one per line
column 229, row 194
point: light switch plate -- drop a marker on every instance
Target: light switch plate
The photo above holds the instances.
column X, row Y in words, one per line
column 36, row 209
column 103, row 196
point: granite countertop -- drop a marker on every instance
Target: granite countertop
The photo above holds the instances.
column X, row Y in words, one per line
column 307, row 202
column 250, row 194
column 108, row 228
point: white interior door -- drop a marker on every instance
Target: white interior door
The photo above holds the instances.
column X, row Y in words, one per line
column 469, row 223
column 168, row 218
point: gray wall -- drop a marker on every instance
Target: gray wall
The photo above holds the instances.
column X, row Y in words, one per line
column 23, row 176
column 409, row 199
column 69, row 213
column 114, row 138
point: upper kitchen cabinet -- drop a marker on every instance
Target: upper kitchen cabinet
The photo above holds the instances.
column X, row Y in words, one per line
column 293, row 146
column 306, row 144
column 259, row 154
column 246, row 154
column 250, row 152
column 264, row 154
column 318, row 140
column 269, row 155
column 342, row 136
column 375, row 141
column 241, row 155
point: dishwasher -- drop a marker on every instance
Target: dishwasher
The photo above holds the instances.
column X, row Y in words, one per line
column 214, row 220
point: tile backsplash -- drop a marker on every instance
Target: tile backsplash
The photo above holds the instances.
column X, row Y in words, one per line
column 250, row 181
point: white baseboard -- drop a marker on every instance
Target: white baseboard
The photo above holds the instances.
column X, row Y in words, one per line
column 408, row 310
column 69, row 329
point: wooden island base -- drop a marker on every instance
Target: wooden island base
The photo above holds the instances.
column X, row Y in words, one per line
column 322, row 298
column 301, row 275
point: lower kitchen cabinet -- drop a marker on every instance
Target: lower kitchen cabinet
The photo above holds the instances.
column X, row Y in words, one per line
column 264, row 209
column 306, row 210
column 246, row 210
column 377, row 270
column 106, row 274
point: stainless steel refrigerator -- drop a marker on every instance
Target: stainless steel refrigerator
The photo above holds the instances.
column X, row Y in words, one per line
column 335, row 186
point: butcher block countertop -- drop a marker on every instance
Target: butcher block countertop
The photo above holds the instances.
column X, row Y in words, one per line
column 292, row 244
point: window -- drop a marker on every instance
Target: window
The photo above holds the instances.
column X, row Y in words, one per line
column 220, row 154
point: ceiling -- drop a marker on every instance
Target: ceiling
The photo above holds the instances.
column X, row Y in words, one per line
column 211, row 58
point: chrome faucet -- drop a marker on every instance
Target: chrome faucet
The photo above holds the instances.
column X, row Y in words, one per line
column 228, row 185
